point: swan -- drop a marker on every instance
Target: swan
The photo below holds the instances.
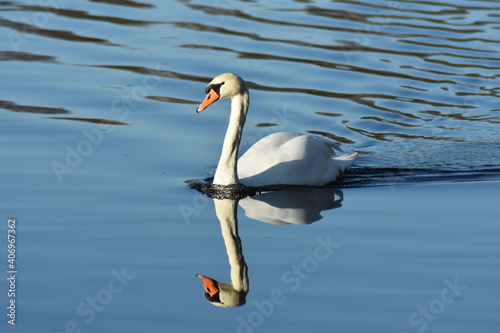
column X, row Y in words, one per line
column 282, row 158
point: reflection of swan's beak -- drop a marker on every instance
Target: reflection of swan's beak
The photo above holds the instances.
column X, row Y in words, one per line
column 212, row 96
column 209, row 284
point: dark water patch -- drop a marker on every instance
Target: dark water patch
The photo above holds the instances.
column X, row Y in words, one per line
column 329, row 114
column 11, row 106
column 174, row 100
column 126, row 3
column 266, row 125
column 25, row 56
column 93, row 120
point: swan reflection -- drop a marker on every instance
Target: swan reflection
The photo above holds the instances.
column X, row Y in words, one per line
column 233, row 294
column 297, row 206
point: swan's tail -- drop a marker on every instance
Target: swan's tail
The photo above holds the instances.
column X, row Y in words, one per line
column 344, row 161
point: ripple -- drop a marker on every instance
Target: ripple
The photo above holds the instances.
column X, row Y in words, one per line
column 25, row 56
column 11, row 106
column 52, row 33
column 126, row 3
column 83, row 15
column 93, row 120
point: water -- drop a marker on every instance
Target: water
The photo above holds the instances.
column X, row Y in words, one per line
column 99, row 133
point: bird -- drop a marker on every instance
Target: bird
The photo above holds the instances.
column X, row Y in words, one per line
column 282, row 158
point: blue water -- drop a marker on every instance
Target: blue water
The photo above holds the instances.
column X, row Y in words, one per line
column 99, row 135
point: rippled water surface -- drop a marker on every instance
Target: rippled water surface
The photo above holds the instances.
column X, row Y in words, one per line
column 99, row 133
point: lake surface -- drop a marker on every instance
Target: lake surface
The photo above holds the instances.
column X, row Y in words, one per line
column 99, row 136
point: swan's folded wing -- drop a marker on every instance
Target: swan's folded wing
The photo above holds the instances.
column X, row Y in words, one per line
column 289, row 158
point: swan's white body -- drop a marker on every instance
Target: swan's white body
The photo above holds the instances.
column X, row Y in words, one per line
column 280, row 158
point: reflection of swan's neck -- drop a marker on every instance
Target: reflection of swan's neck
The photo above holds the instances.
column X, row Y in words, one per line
column 226, row 212
column 226, row 173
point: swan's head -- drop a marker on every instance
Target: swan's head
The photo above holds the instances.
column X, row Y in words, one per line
column 227, row 85
column 221, row 294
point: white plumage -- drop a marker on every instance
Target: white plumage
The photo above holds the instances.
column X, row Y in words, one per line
column 292, row 159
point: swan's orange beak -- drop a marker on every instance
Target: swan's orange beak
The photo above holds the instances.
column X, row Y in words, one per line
column 209, row 284
column 211, row 97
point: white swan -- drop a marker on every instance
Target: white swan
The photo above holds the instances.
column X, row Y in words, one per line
column 280, row 158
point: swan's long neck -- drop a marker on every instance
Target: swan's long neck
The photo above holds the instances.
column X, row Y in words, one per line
column 227, row 172
column 226, row 213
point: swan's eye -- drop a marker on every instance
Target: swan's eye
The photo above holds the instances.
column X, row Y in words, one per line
column 215, row 87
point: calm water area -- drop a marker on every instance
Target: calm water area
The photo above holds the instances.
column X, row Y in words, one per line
column 99, row 138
